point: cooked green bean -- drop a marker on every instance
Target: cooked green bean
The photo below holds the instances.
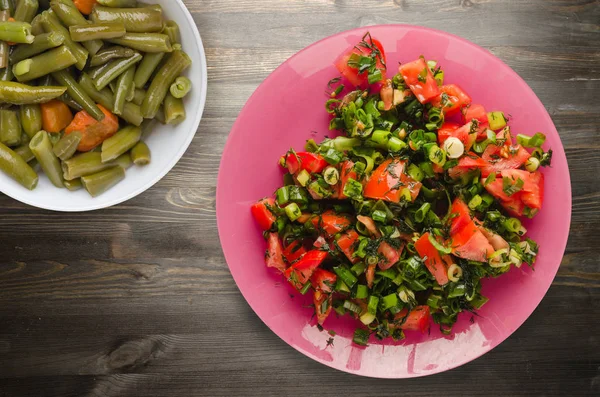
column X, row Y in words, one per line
column 14, row 166
column 107, row 54
column 6, row 74
column 36, row 25
column 177, row 47
column 51, row 61
column 26, row 10
column 10, row 128
column 78, row 94
column 69, row 15
column 16, row 32
column 140, row 154
column 120, row 143
column 70, row 102
column 131, row 112
column 51, row 24
column 41, row 147
column 146, row 42
column 67, row 146
column 136, row 20
column 40, row 44
column 73, row 185
column 124, row 83
column 160, row 115
column 114, row 70
column 21, row 94
column 95, row 72
column 46, row 80
column 25, row 153
column 138, row 96
column 145, row 69
column 89, row 163
column 171, row 29
column 131, row 90
column 96, row 31
column 7, row 5
column 100, row 182
column 178, row 61
column 4, row 15
column 119, row 3
column 174, row 110
column 181, row 87
column 31, row 119
column 54, row 138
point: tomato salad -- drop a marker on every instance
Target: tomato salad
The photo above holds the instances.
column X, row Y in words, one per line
column 396, row 220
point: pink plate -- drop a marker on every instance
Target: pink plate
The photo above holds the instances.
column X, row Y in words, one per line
column 286, row 110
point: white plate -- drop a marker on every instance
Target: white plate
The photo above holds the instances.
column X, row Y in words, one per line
column 167, row 143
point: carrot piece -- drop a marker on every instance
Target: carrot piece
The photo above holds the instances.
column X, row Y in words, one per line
column 85, row 6
column 55, row 116
column 93, row 132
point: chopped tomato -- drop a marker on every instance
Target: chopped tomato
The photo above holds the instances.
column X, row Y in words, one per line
column 323, row 305
column 532, row 193
column 331, row 223
column 346, row 172
column 453, row 100
column 292, row 162
column 494, row 239
column 311, row 162
column 467, row 163
column 470, row 243
column 263, row 214
column 369, row 224
column 449, row 129
column 387, row 94
column 390, row 255
column 514, row 206
column 301, row 271
column 320, row 242
column 462, row 217
column 389, row 180
column 323, row 280
column 505, row 157
column 436, row 264
column 294, row 251
column 475, row 111
column 347, row 244
column 419, row 79
column 351, row 73
column 370, row 275
column 274, row 255
column 416, row 320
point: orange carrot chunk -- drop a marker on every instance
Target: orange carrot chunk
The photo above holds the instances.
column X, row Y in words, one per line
column 85, row 6
column 55, row 116
column 93, row 132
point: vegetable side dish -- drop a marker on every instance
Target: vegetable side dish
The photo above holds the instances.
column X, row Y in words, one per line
column 79, row 79
column 398, row 219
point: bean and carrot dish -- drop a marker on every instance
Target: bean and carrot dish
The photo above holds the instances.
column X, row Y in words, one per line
column 397, row 219
column 79, row 81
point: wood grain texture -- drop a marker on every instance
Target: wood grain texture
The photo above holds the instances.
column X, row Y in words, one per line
column 137, row 300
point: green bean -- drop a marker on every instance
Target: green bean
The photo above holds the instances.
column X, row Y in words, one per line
column 31, row 119
column 67, row 146
column 16, row 32
column 138, row 96
column 10, row 128
column 14, row 166
column 97, row 31
column 98, row 183
column 40, row 44
column 54, row 138
column 26, row 10
column 36, row 25
column 124, row 83
column 51, row 24
column 148, row 65
column 174, row 110
column 70, row 102
column 4, row 52
column 136, row 20
column 178, row 61
column 113, row 85
column 120, row 143
column 21, row 94
column 69, row 15
column 89, row 163
column 160, row 115
column 74, row 185
column 119, row 3
column 78, row 94
column 6, row 74
column 114, row 70
column 41, row 147
column 8, row 6
column 25, row 153
column 181, row 87
column 95, row 72
column 140, row 154
column 107, row 54
column 171, row 29
column 177, row 47
column 146, row 42
column 131, row 112
column 131, row 90
column 51, row 61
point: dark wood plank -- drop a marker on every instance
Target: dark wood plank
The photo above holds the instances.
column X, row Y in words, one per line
column 137, row 300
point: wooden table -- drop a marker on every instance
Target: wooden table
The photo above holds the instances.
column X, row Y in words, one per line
column 137, row 300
